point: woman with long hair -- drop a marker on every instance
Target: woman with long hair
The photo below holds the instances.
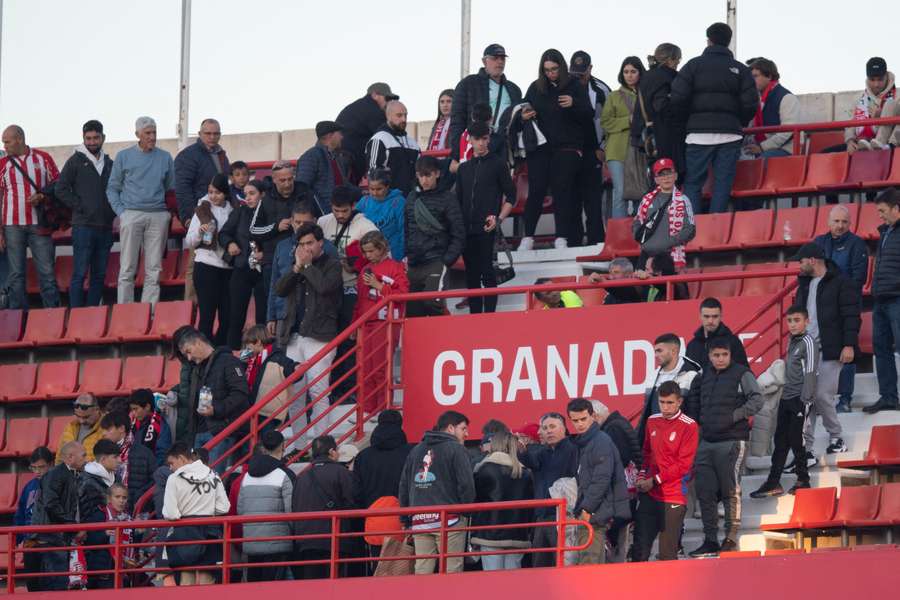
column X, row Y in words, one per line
column 212, row 273
column 616, row 121
column 655, row 85
column 564, row 117
column 439, row 139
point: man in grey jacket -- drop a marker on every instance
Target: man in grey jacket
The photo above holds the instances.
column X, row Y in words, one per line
column 664, row 222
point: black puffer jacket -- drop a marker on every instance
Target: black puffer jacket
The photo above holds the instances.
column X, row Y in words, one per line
column 624, row 437
column 886, row 278
column 697, row 352
column 57, row 502
column 472, row 90
column 237, row 229
column 83, row 190
column 601, row 478
column 668, row 126
column 715, row 92
column 360, row 120
column 141, row 466
column 722, row 401
column 572, row 127
column 425, row 244
column 224, row 374
column 837, row 310
column 482, row 183
column 494, row 483
column 377, row 469
column 325, row 486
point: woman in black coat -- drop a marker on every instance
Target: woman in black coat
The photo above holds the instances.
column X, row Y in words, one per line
column 669, row 128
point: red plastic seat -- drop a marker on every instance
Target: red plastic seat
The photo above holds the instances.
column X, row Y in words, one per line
column 802, row 223
column 142, row 372
column 825, row 213
column 810, row 505
column 713, row 231
column 45, row 327
column 890, row 503
column 184, row 258
column 820, row 140
column 591, row 296
column 722, row 288
column 22, row 480
column 823, row 170
column 167, row 317
column 111, row 281
column 564, row 279
column 8, row 499
column 864, row 166
column 11, row 325
column 56, row 381
column 893, row 177
column 762, row 286
column 23, row 436
column 85, row 323
column 782, row 172
column 128, row 322
column 619, row 240
column 884, row 449
column 17, row 381
column 101, row 376
column 57, row 426
column 751, row 228
column 171, row 376
column 747, row 178
column 865, row 334
column 64, row 268
column 168, row 275
column 857, row 507
column 869, row 222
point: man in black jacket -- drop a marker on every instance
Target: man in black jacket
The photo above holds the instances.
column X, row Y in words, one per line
column 138, row 461
column 485, row 193
column 391, row 147
column 721, row 401
column 82, row 187
column 360, row 120
column 886, row 291
column 435, row 236
column 377, row 469
column 832, row 302
column 57, row 504
column 222, row 373
column 437, row 472
column 488, row 86
column 718, row 96
column 711, row 327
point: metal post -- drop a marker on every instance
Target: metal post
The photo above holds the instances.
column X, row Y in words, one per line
column 11, row 541
column 465, row 43
column 442, row 543
column 560, row 533
column 389, row 366
column 184, row 90
column 335, row 545
column 117, row 559
column 226, row 553
column 731, row 20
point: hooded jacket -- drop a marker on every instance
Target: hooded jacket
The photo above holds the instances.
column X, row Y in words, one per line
column 494, row 483
column 83, row 189
column 213, row 256
column 141, row 464
column 697, row 352
column 601, row 478
column 387, row 216
column 325, row 486
column 686, row 369
column 321, row 287
column 471, row 90
column 425, row 243
column 624, row 437
column 70, row 434
column 570, row 128
column 223, row 373
column 437, row 471
column 886, row 276
column 92, row 487
column 194, row 490
column 377, row 469
column 195, row 166
column 837, row 310
column 266, row 489
column 722, row 402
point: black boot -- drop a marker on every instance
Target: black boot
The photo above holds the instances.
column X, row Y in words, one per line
column 882, row 404
column 707, row 549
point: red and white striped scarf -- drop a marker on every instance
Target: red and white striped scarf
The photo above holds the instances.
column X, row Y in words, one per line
column 677, row 216
column 439, row 135
column 868, row 105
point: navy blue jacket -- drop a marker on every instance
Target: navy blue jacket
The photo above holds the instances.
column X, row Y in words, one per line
column 547, row 465
column 194, row 170
column 886, row 277
column 849, row 253
column 314, row 170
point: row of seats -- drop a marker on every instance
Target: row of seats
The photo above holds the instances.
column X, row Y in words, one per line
column 33, row 382
column 753, row 229
column 30, row 433
column 11, row 485
column 94, row 325
column 64, row 236
column 883, row 451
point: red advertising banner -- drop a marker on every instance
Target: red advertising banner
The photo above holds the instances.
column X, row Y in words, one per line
column 517, row 366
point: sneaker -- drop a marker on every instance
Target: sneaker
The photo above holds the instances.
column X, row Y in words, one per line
column 876, row 145
column 768, row 489
column 729, row 545
column 527, row 243
column 800, row 485
column 560, row 243
column 837, row 445
column 863, row 145
column 707, row 549
column 843, row 406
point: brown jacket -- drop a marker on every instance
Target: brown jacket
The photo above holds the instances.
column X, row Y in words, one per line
column 319, row 289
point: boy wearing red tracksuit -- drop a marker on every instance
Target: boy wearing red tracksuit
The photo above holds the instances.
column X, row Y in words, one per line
column 670, row 444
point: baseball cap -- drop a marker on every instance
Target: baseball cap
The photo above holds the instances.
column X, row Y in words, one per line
column 382, row 89
column 495, row 50
column 346, row 453
column 662, row 164
column 809, row 250
column 579, row 63
column 323, row 128
column 876, row 67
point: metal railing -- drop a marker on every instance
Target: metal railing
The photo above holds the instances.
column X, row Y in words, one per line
column 798, row 128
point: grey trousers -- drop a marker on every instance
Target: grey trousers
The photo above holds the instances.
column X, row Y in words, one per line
column 717, row 471
column 147, row 232
column 824, row 403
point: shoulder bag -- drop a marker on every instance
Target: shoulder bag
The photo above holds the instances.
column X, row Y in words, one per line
column 648, row 137
column 52, row 214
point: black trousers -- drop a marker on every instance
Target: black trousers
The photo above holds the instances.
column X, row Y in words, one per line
column 558, row 170
column 266, row 573
column 789, row 436
column 479, row 258
column 311, row 571
column 244, row 283
column 211, row 284
column 427, row 277
column 345, row 317
column 654, row 518
column 589, row 200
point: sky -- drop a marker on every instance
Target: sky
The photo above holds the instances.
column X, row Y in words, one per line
column 267, row 65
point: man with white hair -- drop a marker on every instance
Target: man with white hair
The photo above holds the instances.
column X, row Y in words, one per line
column 393, row 148
column 140, row 177
column 619, row 268
column 848, row 251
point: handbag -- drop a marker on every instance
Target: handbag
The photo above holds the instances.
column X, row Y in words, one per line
column 52, row 213
column 648, row 137
column 636, row 182
column 395, row 548
column 503, row 274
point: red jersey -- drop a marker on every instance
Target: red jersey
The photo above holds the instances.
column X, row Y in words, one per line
column 669, row 449
column 392, row 274
column 15, row 190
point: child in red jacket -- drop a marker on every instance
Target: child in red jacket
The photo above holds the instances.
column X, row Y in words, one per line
column 380, row 276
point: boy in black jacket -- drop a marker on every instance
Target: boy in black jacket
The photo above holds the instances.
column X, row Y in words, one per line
column 483, row 187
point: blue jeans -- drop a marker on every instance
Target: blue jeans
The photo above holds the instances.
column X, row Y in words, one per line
column 18, row 238
column 846, row 382
column 724, row 159
column 54, row 562
column 617, row 174
column 214, row 453
column 90, row 252
column 4, row 270
column 885, row 342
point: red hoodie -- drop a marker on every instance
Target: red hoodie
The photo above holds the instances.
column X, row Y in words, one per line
column 392, row 274
column 669, row 449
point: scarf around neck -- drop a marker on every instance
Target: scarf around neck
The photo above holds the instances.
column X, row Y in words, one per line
column 869, row 105
column 758, row 119
column 677, row 212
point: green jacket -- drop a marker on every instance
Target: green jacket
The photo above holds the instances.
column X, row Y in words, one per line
column 616, row 122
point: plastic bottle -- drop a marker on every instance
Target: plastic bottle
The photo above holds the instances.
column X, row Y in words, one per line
column 206, row 398
column 209, row 234
column 788, row 232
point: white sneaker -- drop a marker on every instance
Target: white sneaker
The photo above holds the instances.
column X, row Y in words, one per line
column 560, row 243
column 863, row 145
column 876, row 145
column 527, row 243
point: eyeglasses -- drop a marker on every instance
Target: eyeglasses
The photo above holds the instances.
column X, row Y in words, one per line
column 78, row 406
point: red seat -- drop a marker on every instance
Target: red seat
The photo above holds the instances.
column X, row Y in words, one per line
column 864, row 166
column 22, row 480
column 810, row 505
column 802, row 223
column 892, row 179
column 56, row 381
column 820, row 140
column 890, row 503
column 128, row 322
column 168, row 275
column 64, row 268
column 101, row 377
column 823, row 169
column 564, row 279
column 865, row 334
column 591, row 296
column 23, row 436
column 184, row 258
column 857, row 507
column 619, row 240
column 171, row 376
column 167, row 317
column 747, row 178
column 713, row 231
column 57, row 426
column 31, row 278
column 45, row 327
column 722, row 288
column 111, row 281
column 85, row 323
column 11, row 323
column 62, row 237
column 869, row 222
column 884, row 449
column 8, row 500
column 825, row 213
column 751, row 228
column 17, row 381
column 763, row 286
column 782, row 172
column 142, row 372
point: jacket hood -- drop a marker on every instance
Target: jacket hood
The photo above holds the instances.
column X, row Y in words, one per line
column 82, row 149
column 889, row 84
column 392, row 196
column 388, row 436
column 831, row 269
column 433, row 438
column 721, row 331
column 498, row 458
column 585, row 438
column 98, row 470
column 194, row 472
column 262, row 464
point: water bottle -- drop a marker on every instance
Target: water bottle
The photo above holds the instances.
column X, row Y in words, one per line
column 206, row 398
column 788, row 232
column 209, row 234
column 251, row 259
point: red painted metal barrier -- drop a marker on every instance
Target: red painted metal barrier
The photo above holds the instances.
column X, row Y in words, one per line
column 797, row 128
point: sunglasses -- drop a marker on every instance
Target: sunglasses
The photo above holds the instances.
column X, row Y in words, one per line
column 78, row 406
